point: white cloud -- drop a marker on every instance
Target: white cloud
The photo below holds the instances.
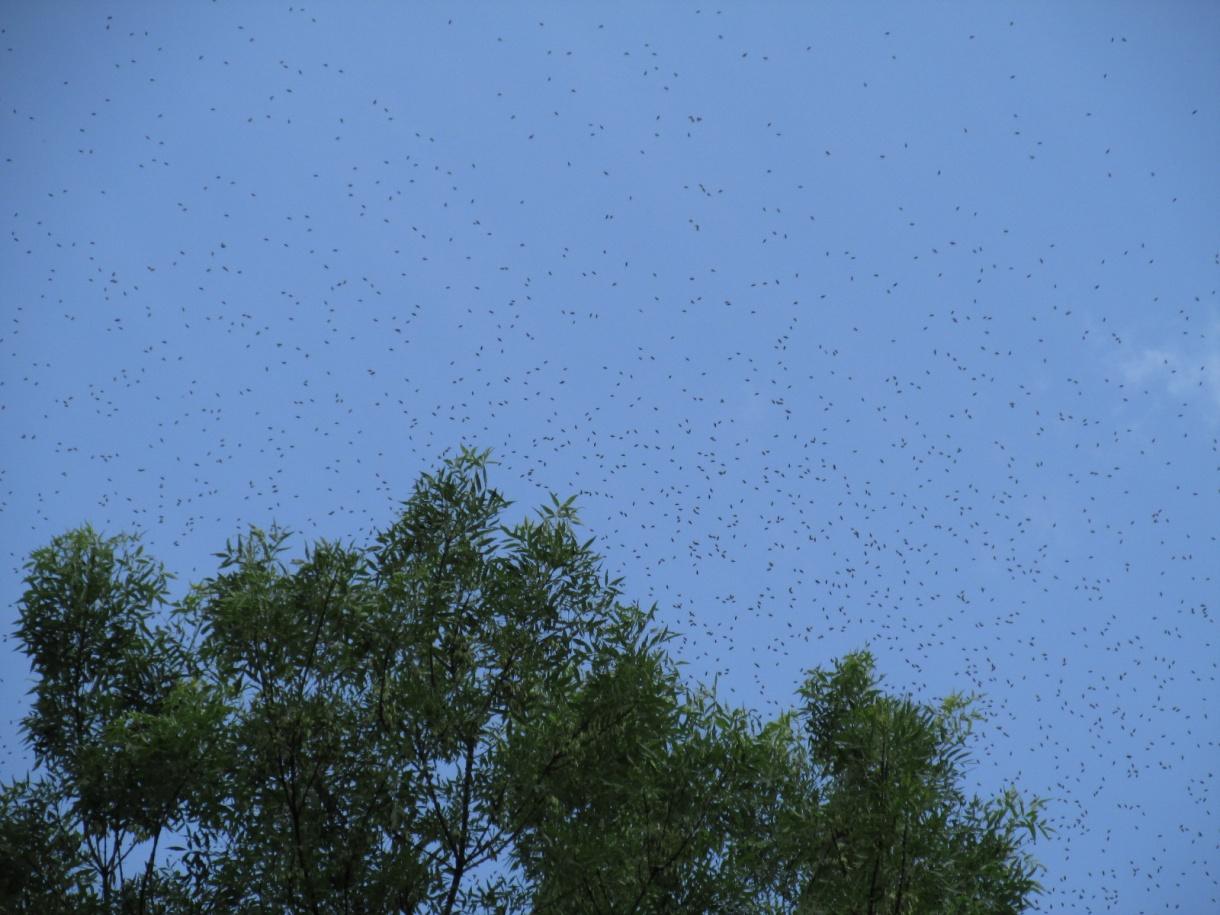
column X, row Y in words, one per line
column 1183, row 374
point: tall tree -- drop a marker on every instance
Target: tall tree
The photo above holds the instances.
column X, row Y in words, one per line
column 461, row 717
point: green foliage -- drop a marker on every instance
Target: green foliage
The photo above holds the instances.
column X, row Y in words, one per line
column 365, row 730
column 896, row 832
column 41, row 863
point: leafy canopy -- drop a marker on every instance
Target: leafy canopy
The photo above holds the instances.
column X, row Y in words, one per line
column 461, row 717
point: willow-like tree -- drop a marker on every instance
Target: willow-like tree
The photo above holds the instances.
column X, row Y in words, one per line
column 460, row 717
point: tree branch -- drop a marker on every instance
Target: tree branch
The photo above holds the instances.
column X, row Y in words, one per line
column 460, row 863
column 152, row 860
column 902, row 871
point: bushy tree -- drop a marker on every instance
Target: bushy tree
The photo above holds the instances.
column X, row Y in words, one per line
column 461, row 717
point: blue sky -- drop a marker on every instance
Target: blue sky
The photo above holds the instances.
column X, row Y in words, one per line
column 890, row 325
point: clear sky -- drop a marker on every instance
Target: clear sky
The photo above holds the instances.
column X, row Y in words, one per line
column 849, row 324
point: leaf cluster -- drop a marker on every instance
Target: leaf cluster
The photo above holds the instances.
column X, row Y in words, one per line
column 461, row 717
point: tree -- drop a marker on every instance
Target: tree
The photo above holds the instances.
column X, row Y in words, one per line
column 462, row 717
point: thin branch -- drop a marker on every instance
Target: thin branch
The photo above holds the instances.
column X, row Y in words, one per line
column 426, row 772
column 148, row 870
column 902, row 871
column 656, row 869
column 460, row 863
column 290, row 795
column 317, row 634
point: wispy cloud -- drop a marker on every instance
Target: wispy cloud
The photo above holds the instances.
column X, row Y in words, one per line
column 1183, row 373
